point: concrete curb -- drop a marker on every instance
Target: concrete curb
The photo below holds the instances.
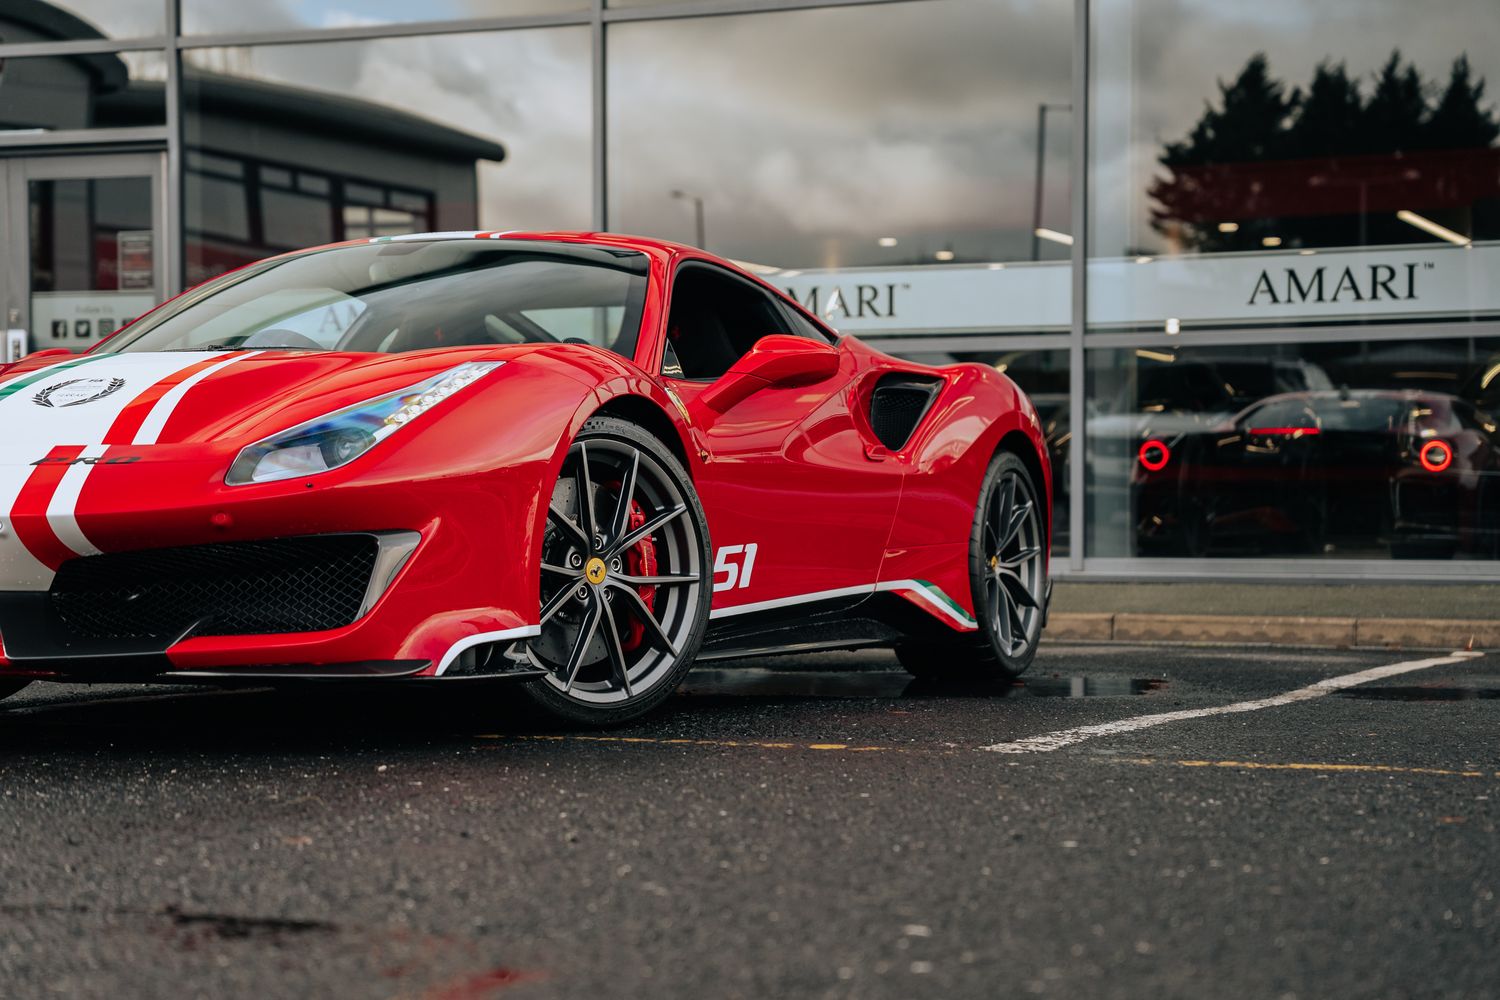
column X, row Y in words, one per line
column 1276, row 630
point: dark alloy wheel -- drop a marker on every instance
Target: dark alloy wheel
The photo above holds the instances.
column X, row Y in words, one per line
column 1008, row 578
column 624, row 587
column 8, row 687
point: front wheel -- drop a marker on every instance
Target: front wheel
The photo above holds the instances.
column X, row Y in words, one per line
column 1007, row 577
column 624, row 588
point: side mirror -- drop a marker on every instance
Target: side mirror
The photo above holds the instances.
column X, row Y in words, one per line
column 778, row 360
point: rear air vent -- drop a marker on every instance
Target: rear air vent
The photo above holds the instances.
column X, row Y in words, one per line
column 898, row 404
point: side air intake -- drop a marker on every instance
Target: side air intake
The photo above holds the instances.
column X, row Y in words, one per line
column 898, row 404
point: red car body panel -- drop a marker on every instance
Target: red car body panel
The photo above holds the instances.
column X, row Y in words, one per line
column 796, row 472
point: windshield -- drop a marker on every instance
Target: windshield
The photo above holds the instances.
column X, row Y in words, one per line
column 409, row 296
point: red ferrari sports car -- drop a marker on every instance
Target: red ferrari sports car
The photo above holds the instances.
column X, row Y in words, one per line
column 582, row 461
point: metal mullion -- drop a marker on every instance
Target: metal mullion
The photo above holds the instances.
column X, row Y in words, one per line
column 363, row 32
column 84, row 137
column 723, row 8
column 587, row 16
column 1297, row 336
column 1311, row 569
column 599, row 70
column 175, row 236
column 81, row 47
column 1077, row 372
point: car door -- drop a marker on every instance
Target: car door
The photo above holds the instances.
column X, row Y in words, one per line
column 799, row 511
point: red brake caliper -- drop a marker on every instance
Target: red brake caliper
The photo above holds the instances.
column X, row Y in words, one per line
column 639, row 561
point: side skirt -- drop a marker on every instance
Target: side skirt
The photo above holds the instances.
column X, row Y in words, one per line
column 870, row 621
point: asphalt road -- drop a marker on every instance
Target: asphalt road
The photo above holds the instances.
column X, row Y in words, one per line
column 823, row 829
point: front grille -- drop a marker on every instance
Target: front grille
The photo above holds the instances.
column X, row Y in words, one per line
column 305, row 584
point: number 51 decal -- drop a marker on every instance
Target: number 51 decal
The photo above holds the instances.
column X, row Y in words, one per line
column 737, row 574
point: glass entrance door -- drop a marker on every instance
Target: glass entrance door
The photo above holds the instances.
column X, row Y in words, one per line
column 83, row 251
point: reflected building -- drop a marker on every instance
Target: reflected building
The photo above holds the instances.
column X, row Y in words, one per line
column 1210, row 213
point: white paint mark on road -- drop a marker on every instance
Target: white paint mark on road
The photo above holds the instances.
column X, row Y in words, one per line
column 1067, row 737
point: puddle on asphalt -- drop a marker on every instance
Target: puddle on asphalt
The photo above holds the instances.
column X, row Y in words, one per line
column 1415, row 693
column 1089, row 687
column 753, row 683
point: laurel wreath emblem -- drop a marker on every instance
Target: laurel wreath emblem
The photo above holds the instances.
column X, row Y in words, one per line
column 44, row 398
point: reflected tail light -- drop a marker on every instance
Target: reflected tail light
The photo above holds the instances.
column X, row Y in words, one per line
column 1286, row 431
column 1154, row 455
column 1436, row 456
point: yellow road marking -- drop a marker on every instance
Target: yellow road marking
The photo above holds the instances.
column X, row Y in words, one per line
column 1252, row 765
column 756, row 744
column 1237, row 765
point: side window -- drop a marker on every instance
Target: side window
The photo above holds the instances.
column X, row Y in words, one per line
column 715, row 319
column 799, row 325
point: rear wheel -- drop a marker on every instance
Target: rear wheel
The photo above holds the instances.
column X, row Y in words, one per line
column 624, row 578
column 1007, row 577
column 8, row 688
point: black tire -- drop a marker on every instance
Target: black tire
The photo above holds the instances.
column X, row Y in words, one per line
column 1007, row 569
column 595, row 676
column 8, row 688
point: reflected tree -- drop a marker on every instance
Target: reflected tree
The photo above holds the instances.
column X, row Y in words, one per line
column 1268, row 165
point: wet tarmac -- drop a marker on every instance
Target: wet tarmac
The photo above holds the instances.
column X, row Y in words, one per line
column 820, row 827
column 792, row 683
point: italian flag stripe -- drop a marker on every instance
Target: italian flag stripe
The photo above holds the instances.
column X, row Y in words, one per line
column 16, row 385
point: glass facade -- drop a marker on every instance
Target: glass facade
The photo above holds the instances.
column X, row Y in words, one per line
column 1241, row 255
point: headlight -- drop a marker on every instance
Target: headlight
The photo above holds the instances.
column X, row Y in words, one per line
column 341, row 437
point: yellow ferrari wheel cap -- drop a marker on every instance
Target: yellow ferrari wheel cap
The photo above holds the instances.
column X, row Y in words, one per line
column 595, row 570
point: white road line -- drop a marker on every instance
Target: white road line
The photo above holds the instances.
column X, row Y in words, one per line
column 1067, row 737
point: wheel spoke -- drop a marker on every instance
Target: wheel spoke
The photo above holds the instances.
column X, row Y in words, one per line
column 555, row 605
column 621, row 521
column 1005, row 498
column 1019, row 592
column 586, row 519
column 1016, row 561
column 1017, row 518
column 569, row 572
column 616, row 651
column 1001, row 615
column 586, row 630
column 648, row 529
column 1018, row 626
column 653, row 627
column 653, row 581
column 568, row 527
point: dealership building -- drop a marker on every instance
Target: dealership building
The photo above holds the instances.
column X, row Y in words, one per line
column 1243, row 254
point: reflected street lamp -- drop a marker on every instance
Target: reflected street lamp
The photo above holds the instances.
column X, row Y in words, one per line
column 1041, row 162
column 702, row 243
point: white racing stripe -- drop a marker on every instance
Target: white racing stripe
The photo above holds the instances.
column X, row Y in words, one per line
column 32, row 430
column 1068, row 737
column 62, row 509
column 151, row 427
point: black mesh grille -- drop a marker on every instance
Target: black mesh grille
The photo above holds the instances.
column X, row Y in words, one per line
column 897, row 405
column 303, row 584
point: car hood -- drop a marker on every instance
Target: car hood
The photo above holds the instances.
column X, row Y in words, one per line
column 190, row 397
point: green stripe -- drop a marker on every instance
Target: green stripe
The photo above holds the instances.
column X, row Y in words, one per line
column 10, row 388
column 937, row 592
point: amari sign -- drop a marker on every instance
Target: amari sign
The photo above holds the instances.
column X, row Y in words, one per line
column 1145, row 293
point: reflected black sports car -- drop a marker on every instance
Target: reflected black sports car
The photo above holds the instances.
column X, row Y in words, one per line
column 1330, row 471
